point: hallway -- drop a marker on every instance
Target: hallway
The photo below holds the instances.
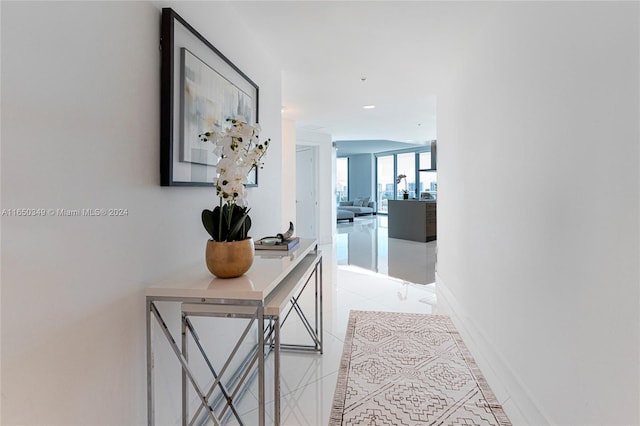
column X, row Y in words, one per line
column 365, row 271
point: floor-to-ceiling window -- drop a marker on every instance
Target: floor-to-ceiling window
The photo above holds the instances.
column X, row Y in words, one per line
column 342, row 179
column 406, row 165
column 420, row 181
column 386, row 180
column 428, row 178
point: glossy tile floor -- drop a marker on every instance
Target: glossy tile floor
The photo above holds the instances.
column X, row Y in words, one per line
column 364, row 270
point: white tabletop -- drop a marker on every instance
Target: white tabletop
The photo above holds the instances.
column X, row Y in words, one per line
column 268, row 269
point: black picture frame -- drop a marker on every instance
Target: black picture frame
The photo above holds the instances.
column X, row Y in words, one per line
column 185, row 53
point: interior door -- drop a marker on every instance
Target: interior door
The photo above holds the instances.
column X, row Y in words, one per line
column 306, row 197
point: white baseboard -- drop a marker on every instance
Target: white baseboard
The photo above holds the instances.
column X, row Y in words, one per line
column 507, row 387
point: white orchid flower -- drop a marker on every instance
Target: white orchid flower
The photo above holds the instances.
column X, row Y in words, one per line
column 239, row 150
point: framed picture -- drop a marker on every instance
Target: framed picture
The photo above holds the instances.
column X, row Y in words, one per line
column 200, row 89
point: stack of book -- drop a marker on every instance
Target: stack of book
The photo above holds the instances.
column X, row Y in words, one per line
column 269, row 244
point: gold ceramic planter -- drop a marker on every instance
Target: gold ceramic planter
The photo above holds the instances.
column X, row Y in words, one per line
column 229, row 259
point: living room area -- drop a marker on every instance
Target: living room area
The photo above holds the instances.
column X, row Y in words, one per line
column 369, row 173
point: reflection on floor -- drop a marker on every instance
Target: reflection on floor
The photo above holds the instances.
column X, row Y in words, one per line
column 364, row 243
column 366, row 271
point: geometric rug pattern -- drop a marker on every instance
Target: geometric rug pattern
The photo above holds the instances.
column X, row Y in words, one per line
column 410, row 369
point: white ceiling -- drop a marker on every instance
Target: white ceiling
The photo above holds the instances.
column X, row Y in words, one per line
column 405, row 50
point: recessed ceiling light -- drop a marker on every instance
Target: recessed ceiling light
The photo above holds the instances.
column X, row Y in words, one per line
column 369, row 106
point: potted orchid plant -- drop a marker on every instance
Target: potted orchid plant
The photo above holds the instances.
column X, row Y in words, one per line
column 240, row 151
column 405, row 191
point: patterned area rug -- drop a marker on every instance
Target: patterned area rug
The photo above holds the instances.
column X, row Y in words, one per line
column 410, row 369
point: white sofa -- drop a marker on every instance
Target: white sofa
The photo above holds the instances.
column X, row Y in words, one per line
column 360, row 206
column 345, row 215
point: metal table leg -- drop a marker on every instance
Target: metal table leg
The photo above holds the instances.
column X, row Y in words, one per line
column 276, row 372
column 151, row 421
column 261, row 396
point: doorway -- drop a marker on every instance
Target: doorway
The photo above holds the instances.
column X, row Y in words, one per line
column 306, row 193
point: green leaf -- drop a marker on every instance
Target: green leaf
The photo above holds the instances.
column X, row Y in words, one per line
column 238, row 223
column 227, row 223
column 247, row 226
column 209, row 222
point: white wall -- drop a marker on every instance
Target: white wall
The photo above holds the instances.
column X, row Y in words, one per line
column 80, row 129
column 538, row 217
column 288, row 173
column 326, row 179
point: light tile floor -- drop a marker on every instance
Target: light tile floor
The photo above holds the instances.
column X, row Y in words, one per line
column 365, row 270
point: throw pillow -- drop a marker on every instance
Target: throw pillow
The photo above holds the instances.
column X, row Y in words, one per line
column 358, row 202
column 346, row 203
column 365, row 201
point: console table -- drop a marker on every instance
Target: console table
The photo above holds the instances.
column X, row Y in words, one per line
column 413, row 220
column 265, row 295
